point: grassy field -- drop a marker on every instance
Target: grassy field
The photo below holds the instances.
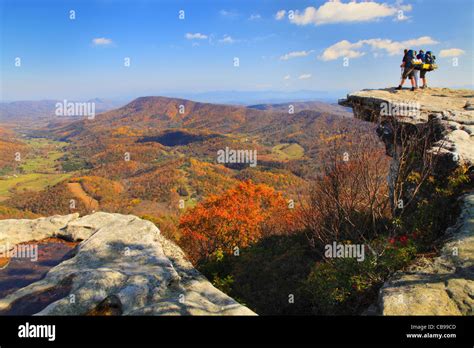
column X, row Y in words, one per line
column 43, row 156
column 285, row 152
column 39, row 169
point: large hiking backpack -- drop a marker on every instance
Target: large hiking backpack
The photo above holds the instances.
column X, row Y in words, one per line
column 430, row 62
column 429, row 58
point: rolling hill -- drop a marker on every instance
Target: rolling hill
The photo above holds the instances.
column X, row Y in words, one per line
column 162, row 151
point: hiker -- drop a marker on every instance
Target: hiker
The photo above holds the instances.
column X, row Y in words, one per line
column 405, row 51
column 421, row 56
column 408, row 70
column 428, row 58
column 417, row 72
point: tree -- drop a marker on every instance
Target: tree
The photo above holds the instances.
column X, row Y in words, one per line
column 350, row 198
column 237, row 218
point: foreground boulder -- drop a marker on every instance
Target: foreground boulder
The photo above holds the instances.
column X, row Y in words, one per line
column 123, row 266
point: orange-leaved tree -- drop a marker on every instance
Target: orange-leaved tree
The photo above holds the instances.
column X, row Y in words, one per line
column 237, row 218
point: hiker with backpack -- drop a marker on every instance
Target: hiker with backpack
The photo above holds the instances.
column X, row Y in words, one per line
column 428, row 65
column 417, row 71
column 408, row 70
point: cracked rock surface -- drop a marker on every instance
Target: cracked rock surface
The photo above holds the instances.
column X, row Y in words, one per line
column 451, row 109
column 122, row 266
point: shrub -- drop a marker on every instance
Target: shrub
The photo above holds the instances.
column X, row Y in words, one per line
column 238, row 218
column 347, row 286
column 264, row 275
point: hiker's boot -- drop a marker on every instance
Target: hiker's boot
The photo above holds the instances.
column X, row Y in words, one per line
column 412, row 89
column 399, row 88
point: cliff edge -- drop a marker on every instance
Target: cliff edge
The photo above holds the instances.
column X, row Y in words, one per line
column 452, row 111
column 443, row 285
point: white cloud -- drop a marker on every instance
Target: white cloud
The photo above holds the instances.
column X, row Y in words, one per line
column 339, row 12
column 401, row 17
column 195, row 36
column 227, row 39
column 295, row 54
column 101, row 41
column 280, row 15
column 254, row 17
column 401, row 11
column 347, row 49
column 451, row 52
column 286, row 77
column 304, row 76
column 343, row 48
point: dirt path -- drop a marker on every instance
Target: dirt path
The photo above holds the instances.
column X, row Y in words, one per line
column 77, row 190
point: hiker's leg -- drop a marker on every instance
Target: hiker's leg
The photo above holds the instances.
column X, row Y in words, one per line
column 423, row 77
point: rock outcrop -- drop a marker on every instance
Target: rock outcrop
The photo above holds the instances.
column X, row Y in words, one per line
column 122, row 266
column 443, row 285
column 451, row 111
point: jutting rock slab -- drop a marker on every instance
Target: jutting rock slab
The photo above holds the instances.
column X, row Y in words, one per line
column 122, row 266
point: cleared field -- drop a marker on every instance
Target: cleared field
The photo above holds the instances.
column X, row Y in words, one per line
column 38, row 170
column 43, row 155
column 31, row 182
column 287, row 151
column 78, row 191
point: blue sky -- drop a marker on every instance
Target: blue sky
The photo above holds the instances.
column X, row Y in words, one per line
column 277, row 49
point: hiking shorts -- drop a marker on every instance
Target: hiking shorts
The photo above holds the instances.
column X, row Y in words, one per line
column 423, row 73
column 408, row 73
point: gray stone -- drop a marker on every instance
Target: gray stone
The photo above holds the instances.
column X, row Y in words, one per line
column 122, row 260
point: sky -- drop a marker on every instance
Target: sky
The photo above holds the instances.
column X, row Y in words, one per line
column 49, row 52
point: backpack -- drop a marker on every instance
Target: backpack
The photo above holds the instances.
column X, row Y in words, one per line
column 409, row 59
column 429, row 58
column 430, row 62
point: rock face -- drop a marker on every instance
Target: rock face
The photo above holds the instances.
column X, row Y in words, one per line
column 443, row 285
column 449, row 109
column 122, row 266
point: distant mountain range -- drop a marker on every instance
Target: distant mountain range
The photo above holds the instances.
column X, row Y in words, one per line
column 149, row 115
column 260, row 97
column 44, row 110
column 46, row 107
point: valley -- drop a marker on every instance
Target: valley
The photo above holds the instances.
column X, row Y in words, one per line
column 156, row 157
column 149, row 160
column 270, row 186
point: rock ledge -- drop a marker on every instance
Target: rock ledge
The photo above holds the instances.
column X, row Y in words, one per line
column 122, row 266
